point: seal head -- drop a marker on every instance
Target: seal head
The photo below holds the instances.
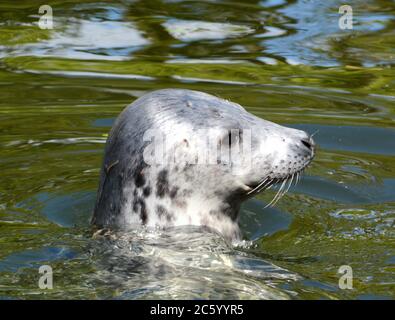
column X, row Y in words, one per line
column 182, row 157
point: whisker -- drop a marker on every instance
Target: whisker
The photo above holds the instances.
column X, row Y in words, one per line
column 300, row 173
column 290, row 183
column 277, row 194
column 258, row 186
column 286, row 184
column 313, row 134
column 282, row 193
column 297, row 178
column 268, row 205
column 268, row 184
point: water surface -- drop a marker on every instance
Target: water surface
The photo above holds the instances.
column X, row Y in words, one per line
column 285, row 61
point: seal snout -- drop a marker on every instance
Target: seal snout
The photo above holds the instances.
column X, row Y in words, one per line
column 309, row 145
column 301, row 145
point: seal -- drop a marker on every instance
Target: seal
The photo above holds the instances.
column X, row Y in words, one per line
column 170, row 160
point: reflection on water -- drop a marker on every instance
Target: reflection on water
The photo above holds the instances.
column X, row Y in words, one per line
column 188, row 30
column 83, row 39
column 285, row 61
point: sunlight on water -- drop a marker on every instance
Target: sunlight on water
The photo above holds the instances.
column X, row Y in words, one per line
column 285, row 61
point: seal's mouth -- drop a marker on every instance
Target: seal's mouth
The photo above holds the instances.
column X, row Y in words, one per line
column 284, row 184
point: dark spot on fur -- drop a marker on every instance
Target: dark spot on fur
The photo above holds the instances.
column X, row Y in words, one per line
column 147, row 191
column 143, row 212
column 187, row 167
column 214, row 213
column 139, row 180
column 180, row 204
column 135, row 205
column 216, row 113
column 162, row 212
column 139, row 205
column 187, row 193
column 173, row 192
column 162, row 184
column 138, row 176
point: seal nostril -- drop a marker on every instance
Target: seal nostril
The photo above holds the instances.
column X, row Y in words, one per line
column 307, row 144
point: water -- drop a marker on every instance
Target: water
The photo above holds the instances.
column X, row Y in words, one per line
column 286, row 61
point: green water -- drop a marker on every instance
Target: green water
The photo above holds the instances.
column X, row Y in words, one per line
column 285, row 61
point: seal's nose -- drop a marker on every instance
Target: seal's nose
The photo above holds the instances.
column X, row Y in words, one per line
column 309, row 144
